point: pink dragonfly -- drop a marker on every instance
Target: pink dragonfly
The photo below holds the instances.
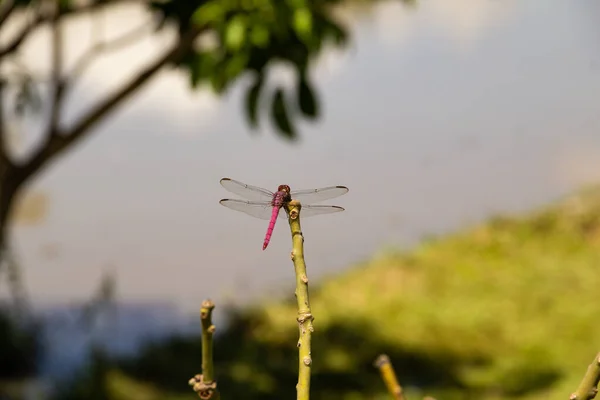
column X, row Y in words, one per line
column 265, row 204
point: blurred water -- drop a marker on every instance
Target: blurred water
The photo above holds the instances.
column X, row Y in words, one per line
column 435, row 119
column 68, row 338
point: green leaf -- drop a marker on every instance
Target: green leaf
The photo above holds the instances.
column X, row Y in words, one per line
column 235, row 35
column 218, row 81
column 279, row 114
column 202, row 66
column 195, row 76
column 252, row 98
column 210, row 12
column 236, row 65
column 65, row 5
column 303, row 23
column 260, row 36
column 307, row 99
column 337, row 33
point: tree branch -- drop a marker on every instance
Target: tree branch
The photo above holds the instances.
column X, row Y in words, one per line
column 43, row 18
column 588, row 388
column 384, row 365
column 204, row 384
column 103, row 47
column 3, row 130
column 57, row 81
column 305, row 318
column 55, row 144
column 6, row 10
column 20, row 37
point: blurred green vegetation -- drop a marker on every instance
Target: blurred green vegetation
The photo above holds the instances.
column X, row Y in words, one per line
column 507, row 309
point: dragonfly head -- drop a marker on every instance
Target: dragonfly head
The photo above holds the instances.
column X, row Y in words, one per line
column 284, row 188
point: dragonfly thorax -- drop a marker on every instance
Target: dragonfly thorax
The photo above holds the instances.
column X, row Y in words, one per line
column 280, row 197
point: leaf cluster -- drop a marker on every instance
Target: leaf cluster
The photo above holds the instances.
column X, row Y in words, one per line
column 241, row 37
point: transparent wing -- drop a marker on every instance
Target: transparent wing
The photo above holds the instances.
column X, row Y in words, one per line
column 247, row 191
column 309, row 211
column 258, row 209
column 316, row 195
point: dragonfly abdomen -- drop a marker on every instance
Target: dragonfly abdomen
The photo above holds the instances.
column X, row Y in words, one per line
column 278, row 199
column 274, row 216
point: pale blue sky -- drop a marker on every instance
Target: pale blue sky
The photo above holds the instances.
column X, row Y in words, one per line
column 434, row 120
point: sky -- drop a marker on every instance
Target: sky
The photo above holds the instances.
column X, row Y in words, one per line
column 435, row 118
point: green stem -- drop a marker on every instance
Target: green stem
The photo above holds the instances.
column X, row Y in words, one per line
column 588, row 388
column 205, row 384
column 388, row 375
column 305, row 317
column 208, row 329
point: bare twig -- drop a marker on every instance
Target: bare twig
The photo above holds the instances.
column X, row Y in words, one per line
column 106, row 46
column 588, row 388
column 388, row 375
column 3, row 130
column 305, row 318
column 208, row 330
column 37, row 20
column 8, row 6
column 56, row 74
column 55, row 144
column 40, row 18
column 205, row 384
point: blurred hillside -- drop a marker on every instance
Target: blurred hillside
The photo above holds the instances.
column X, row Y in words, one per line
column 507, row 309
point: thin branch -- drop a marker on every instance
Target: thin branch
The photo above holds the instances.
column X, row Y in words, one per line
column 8, row 6
column 208, row 330
column 3, row 130
column 17, row 69
column 205, row 384
column 56, row 74
column 305, row 318
column 384, row 365
column 55, row 144
column 106, row 46
column 23, row 34
column 588, row 388
column 43, row 18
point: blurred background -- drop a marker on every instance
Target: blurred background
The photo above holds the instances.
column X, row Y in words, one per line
column 467, row 132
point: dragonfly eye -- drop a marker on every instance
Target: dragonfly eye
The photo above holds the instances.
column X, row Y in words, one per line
column 284, row 188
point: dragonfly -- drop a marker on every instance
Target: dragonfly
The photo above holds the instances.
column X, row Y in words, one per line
column 264, row 204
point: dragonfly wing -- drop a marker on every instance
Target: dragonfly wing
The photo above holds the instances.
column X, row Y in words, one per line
column 309, row 211
column 248, row 191
column 316, row 195
column 258, row 209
